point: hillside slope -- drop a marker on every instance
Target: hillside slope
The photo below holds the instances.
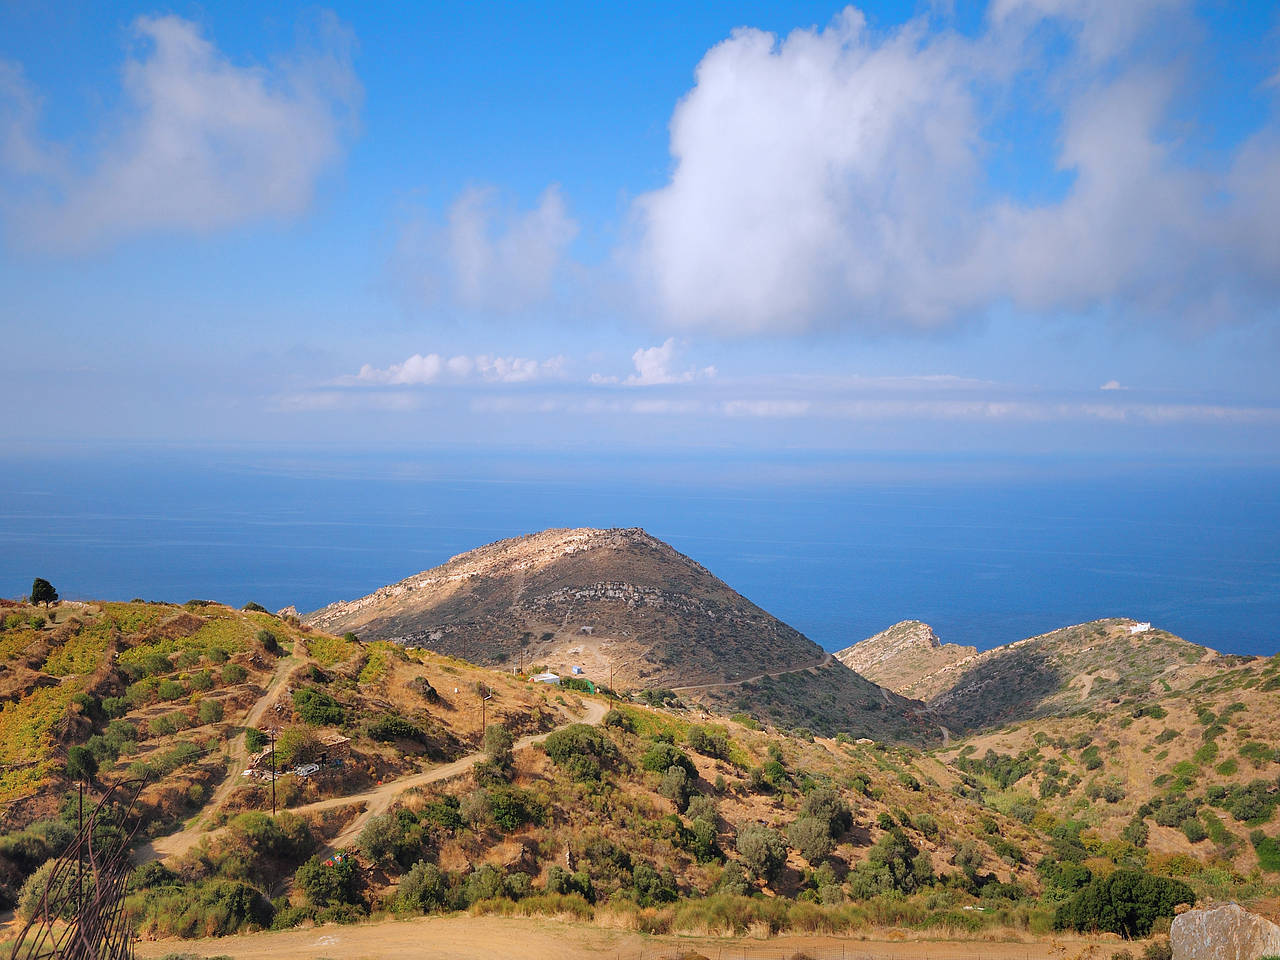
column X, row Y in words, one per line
column 903, row 656
column 1060, row 673
column 585, row 597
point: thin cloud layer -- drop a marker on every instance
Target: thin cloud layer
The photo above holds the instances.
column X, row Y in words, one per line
column 200, row 143
column 840, row 177
column 484, row 257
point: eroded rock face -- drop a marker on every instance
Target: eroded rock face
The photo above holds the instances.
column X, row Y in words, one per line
column 1228, row 932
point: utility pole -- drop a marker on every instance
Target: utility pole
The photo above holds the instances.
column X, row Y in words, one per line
column 80, row 859
column 271, row 732
column 611, row 667
column 484, row 711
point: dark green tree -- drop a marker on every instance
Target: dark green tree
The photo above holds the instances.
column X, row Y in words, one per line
column 81, row 764
column 42, row 592
column 1126, row 902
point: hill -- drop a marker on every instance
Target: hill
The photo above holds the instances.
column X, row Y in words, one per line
column 591, row 598
column 653, row 812
column 902, row 656
column 1061, row 673
column 629, row 609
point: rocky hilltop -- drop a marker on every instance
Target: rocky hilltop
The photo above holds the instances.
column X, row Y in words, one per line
column 580, row 597
column 902, row 656
column 623, row 602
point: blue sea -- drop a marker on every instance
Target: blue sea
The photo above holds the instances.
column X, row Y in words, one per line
column 987, row 550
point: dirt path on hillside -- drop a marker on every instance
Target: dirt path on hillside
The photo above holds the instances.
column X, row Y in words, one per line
column 694, row 687
column 376, row 800
column 179, row 843
column 380, row 798
column 483, row 938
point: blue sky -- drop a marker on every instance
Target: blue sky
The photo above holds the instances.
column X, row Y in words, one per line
column 1033, row 226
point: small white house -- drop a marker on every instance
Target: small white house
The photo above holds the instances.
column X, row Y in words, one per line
column 1139, row 628
column 550, row 678
column 577, row 671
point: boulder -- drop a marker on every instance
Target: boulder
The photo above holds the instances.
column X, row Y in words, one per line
column 1227, row 932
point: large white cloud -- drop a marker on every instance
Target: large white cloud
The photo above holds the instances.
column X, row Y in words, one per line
column 841, row 177
column 200, row 143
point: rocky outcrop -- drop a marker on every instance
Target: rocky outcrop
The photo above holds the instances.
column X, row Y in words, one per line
column 1227, row 932
column 902, row 657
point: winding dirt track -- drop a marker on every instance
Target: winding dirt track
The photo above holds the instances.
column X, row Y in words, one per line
column 376, row 800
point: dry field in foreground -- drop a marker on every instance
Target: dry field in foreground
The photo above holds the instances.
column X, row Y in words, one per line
column 485, row 938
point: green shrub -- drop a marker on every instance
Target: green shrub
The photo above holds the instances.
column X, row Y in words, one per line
column 762, row 850
column 676, row 786
column 1126, row 902
column 389, row 727
column 1268, row 850
column 210, row 711
column 233, row 673
column 563, row 883
column 710, row 740
column 171, row 690
column 662, row 755
column 423, row 889
column 582, row 750
column 619, row 720
column 297, row 745
column 329, row 882
column 317, row 708
column 651, row 887
column 812, row 837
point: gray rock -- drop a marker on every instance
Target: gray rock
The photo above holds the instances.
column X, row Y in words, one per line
column 1227, row 932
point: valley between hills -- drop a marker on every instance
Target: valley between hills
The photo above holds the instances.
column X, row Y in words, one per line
column 705, row 770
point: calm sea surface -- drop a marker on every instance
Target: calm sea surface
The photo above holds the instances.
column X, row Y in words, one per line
column 985, row 551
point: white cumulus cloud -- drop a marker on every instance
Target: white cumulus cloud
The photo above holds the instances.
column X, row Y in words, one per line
column 843, row 176
column 657, row 365
column 200, row 143
column 422, row 369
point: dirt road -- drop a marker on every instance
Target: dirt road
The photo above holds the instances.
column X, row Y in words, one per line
column 379, row 798
column 376, row 800
column 462, row 937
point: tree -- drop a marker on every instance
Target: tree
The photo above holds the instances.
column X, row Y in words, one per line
column 762, row 850
column 81, row 763
column 1126, row 902
column 812, row 837
column 676, row 787
column 42, row 592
